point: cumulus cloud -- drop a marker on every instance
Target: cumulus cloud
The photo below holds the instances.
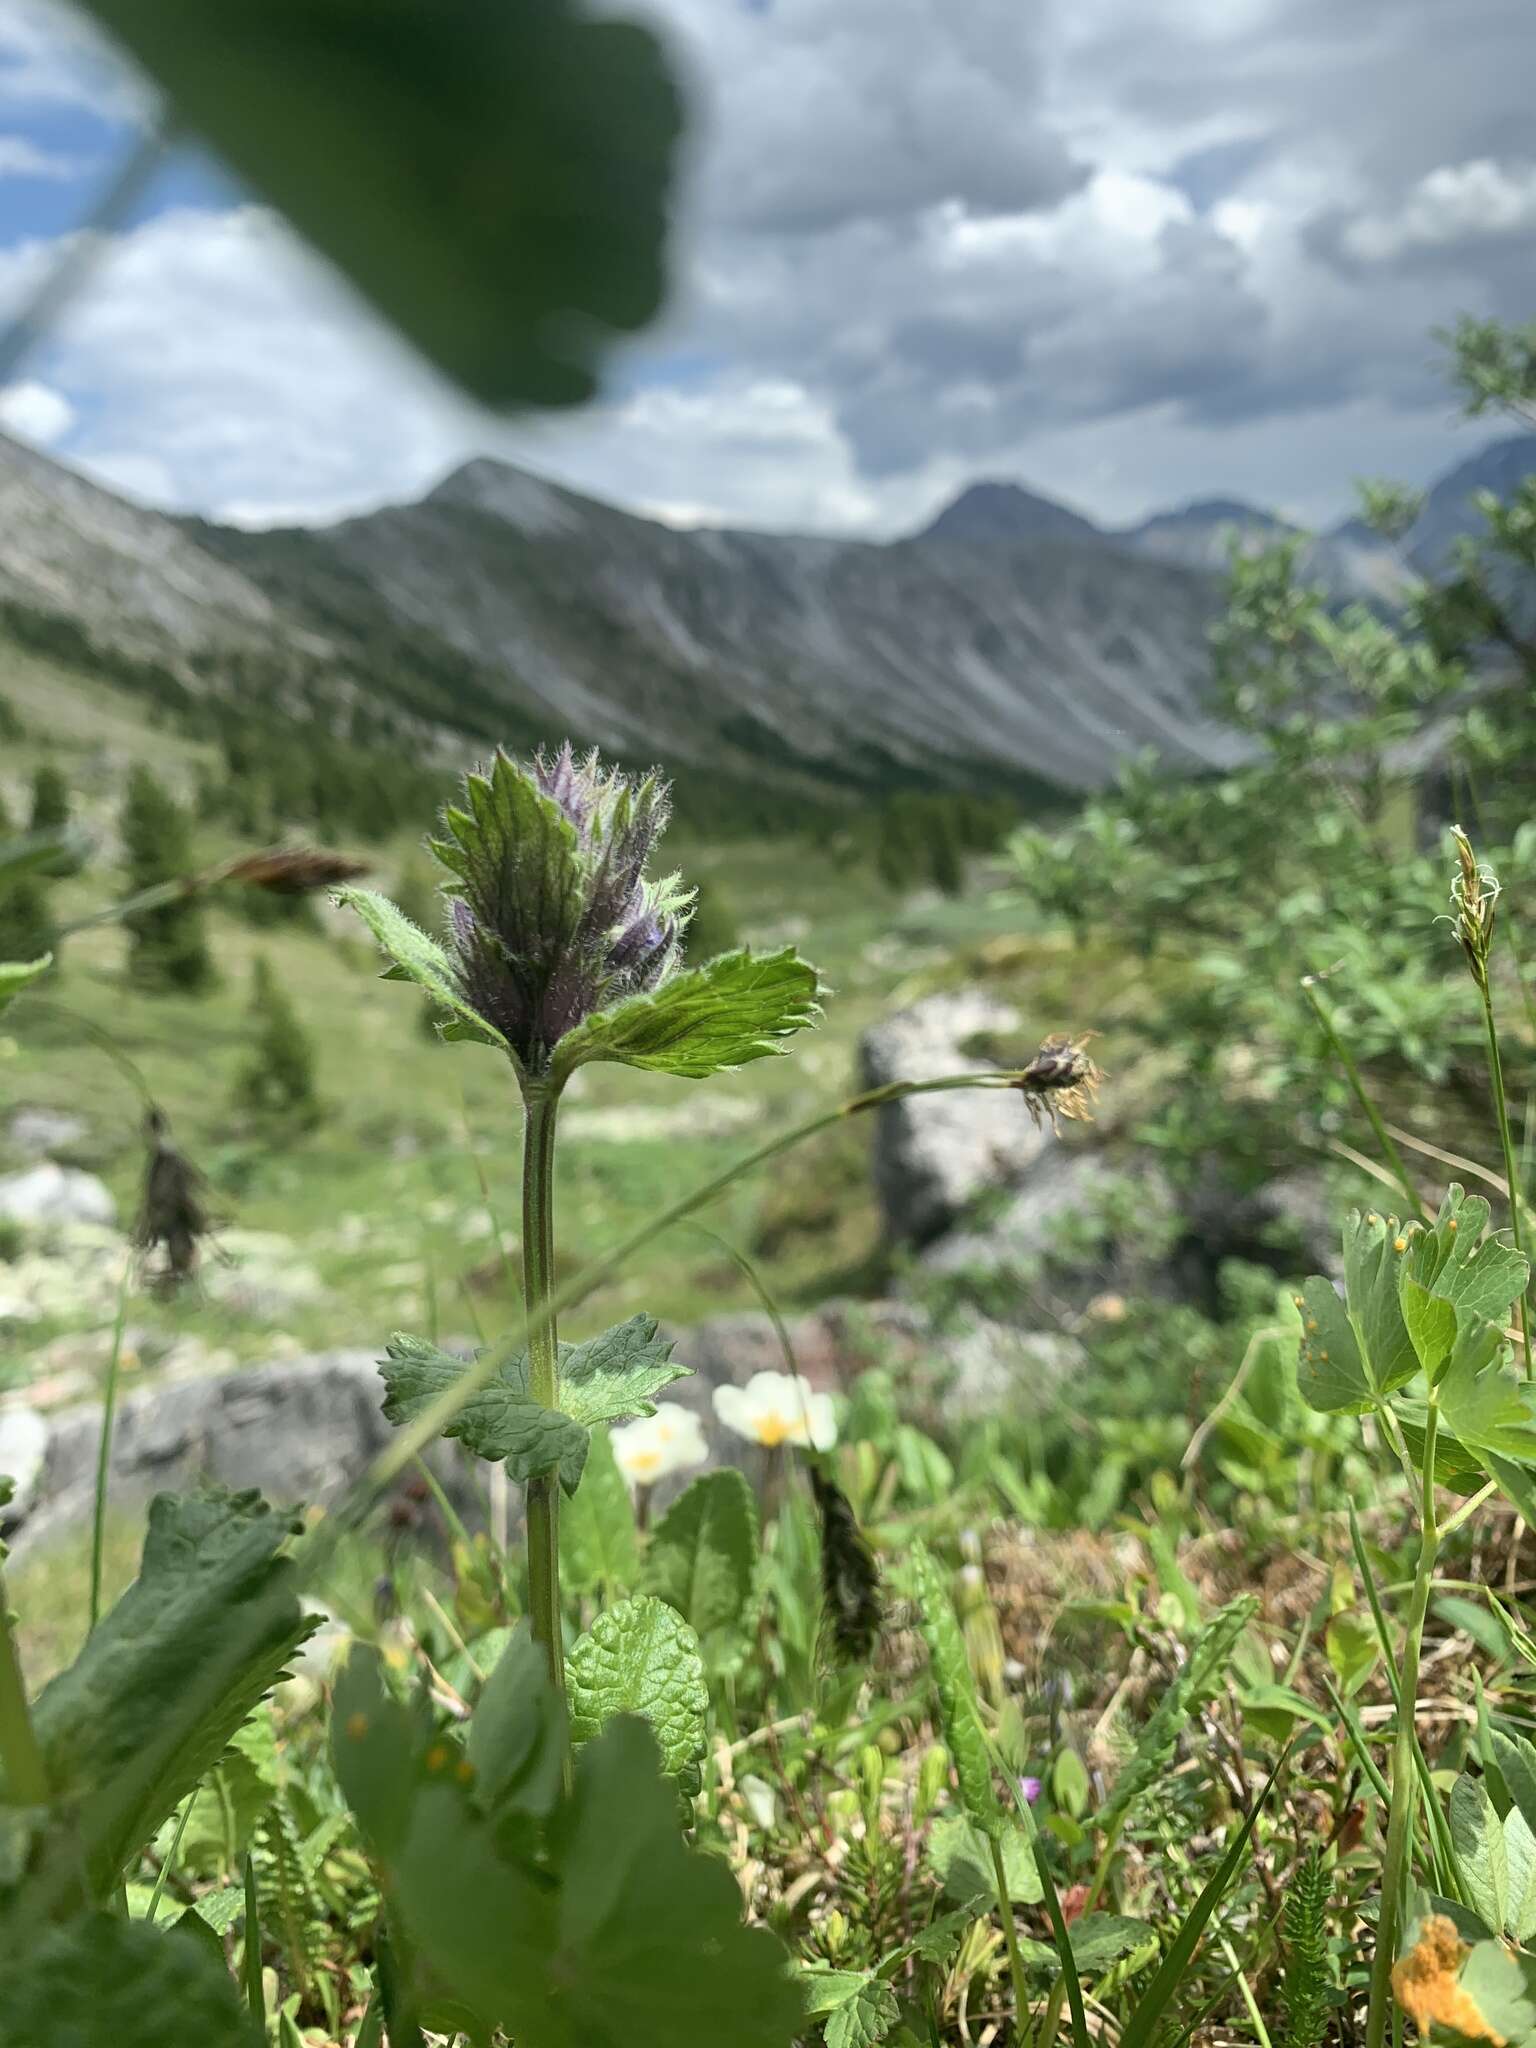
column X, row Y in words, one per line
column 1129, row 253
column 36, row 412
column 21, row 157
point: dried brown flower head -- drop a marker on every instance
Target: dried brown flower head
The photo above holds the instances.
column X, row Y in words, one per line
column 294, row 870
column 1427, row 1984
column 173, row 1216
column 1060, row 1081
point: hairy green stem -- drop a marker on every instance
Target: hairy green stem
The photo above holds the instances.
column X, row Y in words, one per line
column 543, row 1503
column 1405, row 1783
column 1511, row 1176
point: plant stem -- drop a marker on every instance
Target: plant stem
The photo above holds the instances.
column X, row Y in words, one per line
column 543, row 1504
column 1011, row 1940
column 1511, row 1176
column 104, row 1451
column 26, row 1774
column 1405, row 1783
column 1389, row 1151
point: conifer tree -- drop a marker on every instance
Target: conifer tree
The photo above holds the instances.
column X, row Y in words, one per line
column 279, row 1077
column 26, row 925
column 50, row 813
column 169, row 946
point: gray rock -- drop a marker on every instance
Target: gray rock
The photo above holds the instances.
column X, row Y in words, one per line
column 37, row 1132
column 993, row 1369
column 23, row 1453
column 1289, row 1223
column 49, row 1194
column 935, row 1154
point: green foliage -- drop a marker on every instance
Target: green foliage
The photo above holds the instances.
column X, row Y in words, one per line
column 959, row 1711
column 102, row 1979
column 170, row 1673
column 608, row 1378
column 961, row 1856
column 420, row 959
column 169, row 949
column 26, row 925
column 706, row 1020
column 642, row 1658
column 15, row 976
column 50, row 814
column 594, row 1929
column 599, row 1543
column 495, row 183
column 702, row 1554
column 279, row 1078
column 1304, row 1926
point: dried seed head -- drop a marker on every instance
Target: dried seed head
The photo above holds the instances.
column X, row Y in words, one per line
column 1060, row 1081
column 850, row 1578
column 1474, row 903
column 173, row 1217
column 294, row 870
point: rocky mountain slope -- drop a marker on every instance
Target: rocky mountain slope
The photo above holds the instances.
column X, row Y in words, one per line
column 1013, row 644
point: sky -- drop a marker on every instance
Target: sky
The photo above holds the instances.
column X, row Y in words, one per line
column 1126, row 252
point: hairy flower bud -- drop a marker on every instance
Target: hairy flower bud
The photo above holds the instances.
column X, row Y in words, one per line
column 552, row 914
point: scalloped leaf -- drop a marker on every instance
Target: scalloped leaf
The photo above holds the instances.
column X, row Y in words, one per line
column 494, row 180
column 418, row 958
column 702, row 1554
column 617, row 1375
column 15, row 975
column 642, row 1658
column 1482, row 1403
column 499, row 1421
column 706, row 1020
column 1374, row 1247
column 962, row 1862
column 1330, row 1372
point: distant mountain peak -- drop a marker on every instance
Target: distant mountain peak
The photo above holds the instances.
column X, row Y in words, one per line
column 994, row 510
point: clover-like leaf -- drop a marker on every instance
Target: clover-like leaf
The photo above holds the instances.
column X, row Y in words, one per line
column 103, row 1979
column 15, row 974
column 499, row 1421
column 1374, row 1247
column 617, row 1375
column 494, row 179
column 702, row 1554
column 418, row 958
column 1480, row 1277
column 642, row 1658
column 703, row 1021
column 1330, row 1371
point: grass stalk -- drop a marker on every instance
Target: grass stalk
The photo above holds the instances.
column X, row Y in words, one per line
column 1404, row 1780
column 1511, row 1174
column 104, row 1449
column 1011, row 1941
column 543, row 1503
column 26, row 1773
column 1346, row 1060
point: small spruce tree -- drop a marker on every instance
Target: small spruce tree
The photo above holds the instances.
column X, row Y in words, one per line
column 26, row 925
column 169, row 945
column 50, row 813
column 279, row 1077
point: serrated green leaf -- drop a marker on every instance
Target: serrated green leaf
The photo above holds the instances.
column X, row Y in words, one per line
column 1477, row 1835
column 493, row 179
column 166, row 1678
column 642, row 1658
column 222, row 1909
column 1330, row 1372
column 516, row 1740
column 15, row 974
column 865, row 2018
column 599, row 1543
column 420, row 959
column 101, row 1979
column 962, row 1862
column 702, row 1554
column 958, row 1708
column 617, row 1375
column 500, row 1421
column 703, row 1021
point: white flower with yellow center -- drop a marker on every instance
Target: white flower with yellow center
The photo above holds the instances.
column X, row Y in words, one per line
column 776, row 1408
column 671, row 1440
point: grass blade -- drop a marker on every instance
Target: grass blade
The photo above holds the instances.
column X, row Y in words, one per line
column 255, row 1997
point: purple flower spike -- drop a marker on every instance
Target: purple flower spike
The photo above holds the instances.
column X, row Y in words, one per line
column 553, row 917
column 1031, row 1788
